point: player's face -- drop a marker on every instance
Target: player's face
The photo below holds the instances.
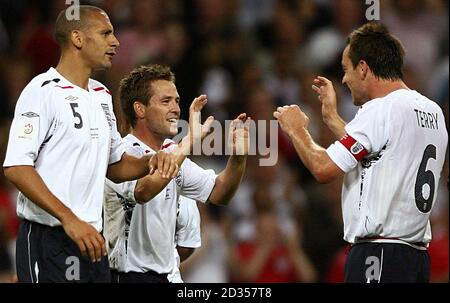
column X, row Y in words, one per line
column 100, row 44
column 352, row 78
column 163, row 111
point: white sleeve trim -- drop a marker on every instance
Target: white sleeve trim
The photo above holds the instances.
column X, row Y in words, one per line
column 117, row 155
column 341, row 157
column 189, row 243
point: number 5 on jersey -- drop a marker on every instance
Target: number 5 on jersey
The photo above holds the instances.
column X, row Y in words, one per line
column 76, row 115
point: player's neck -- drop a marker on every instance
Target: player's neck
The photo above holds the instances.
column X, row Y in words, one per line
column 74, row 71
column 149, row 138
column 382, row 88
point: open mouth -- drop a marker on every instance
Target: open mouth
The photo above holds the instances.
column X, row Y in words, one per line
column 173, row 120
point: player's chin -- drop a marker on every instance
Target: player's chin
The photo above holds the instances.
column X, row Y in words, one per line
column 173, row 131
column 103, row 66
column 107, row 64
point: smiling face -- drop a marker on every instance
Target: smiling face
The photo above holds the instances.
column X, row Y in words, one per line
column 353, row 79
column 163, row 111
column 99, row 43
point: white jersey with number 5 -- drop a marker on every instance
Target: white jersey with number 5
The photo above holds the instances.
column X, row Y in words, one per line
column 69, row 135
column 393, row 156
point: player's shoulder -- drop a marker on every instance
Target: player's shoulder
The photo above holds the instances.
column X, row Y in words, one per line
column 46, row 84
column 407, row 98
column 43, row 82
column 133, row 146
column 397, row 98
column 97, row 86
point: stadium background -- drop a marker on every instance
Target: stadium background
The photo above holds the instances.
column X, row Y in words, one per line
column 247, row 56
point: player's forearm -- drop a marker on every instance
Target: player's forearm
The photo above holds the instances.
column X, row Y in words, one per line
column 336, row 124
column 148, row 187
column 228, row 181
column 185, row 252
column 128, row 168
column 313, row 156
column 30, row 183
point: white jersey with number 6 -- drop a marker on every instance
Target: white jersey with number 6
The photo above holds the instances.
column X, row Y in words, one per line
column 393, row 156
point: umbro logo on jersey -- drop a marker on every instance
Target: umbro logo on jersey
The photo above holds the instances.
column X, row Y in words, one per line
column 30, row 115
column 71, row 98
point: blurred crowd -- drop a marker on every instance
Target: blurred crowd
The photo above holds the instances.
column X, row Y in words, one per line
column 247, row 56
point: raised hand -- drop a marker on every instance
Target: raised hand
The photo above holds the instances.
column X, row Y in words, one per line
column 327, row 96
column 197, row 130
column 238, row 137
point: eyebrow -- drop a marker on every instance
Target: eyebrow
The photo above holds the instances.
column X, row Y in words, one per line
column 169, row 97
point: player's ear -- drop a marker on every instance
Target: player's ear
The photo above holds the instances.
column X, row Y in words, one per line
column 77, row 38
column 363, row 69
column 139, row 109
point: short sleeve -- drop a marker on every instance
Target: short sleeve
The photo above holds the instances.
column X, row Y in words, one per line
column 365, row 134
column 117, row 147
column 188, row 224
column 30, row 127
column 369, row 127
column 195, row 182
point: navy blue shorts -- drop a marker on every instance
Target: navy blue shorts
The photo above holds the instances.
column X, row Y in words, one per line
column 387, row 263
column 47, row 254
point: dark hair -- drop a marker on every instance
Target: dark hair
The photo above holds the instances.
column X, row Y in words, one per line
column 382, row 51
column 63, row 26
column 137, row 87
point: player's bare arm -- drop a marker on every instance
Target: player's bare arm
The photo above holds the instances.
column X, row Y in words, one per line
column 167, row 165
column 294, row 122
column 28, row 181
column 185, row 252
column 327, row 96
column 228, row 181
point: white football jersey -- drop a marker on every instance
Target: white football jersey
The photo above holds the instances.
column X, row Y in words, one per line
column 70, row 136
column 393, row 154
column 187, row 233
column 141, row 237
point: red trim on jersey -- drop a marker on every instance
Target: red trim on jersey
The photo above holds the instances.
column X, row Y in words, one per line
column 64, row 87
column 166, row 145
column 354, row 147
column 97, row 89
